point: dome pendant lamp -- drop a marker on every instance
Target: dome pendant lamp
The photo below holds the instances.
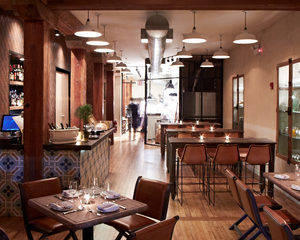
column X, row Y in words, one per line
column 87, row 31
column 114, row 58
column 121, row 64
column 99, row 41
column 194, row 36
column 221, row 54
column 244, row 37
column 183, row 53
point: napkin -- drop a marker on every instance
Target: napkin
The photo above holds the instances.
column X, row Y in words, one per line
column 111, row 195
column 108, row 207
column 61, row 206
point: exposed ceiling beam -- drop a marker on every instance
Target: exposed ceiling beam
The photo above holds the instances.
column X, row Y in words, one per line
column 174, row 4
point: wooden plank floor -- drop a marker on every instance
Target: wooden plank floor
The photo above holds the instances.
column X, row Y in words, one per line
column 130, row 159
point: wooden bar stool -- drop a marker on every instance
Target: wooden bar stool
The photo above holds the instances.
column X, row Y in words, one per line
column 193, row 156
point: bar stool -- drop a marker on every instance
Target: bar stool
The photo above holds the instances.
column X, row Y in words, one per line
column 258, row 155
column 278, row 227
column 193, row 156
column 227, row 155
column 182, row 135
column 3, row 235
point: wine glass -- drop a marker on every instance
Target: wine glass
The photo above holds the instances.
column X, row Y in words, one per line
column 297, row 170
column 72, row 189
column 95, row 186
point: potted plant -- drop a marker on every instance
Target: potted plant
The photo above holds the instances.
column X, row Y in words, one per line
column 83, row 113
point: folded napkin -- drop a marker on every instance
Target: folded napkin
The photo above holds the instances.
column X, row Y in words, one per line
column 111, row 195
column 108, row 207
column 68, row 194
column 61, row 206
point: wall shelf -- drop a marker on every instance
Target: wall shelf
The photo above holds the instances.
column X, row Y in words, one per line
column 16, row 83
column 16, row 108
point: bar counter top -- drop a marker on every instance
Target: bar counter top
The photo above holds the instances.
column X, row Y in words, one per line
column 8, row 143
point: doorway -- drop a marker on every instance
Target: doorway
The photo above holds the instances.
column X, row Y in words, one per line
column 238, row 102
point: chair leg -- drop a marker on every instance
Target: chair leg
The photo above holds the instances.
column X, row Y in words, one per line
column 238, row 222
column 181, row 182
column 250, row 230
column 29, row 234
column 68, row 236
column 119, row 237
column 44, row 235
column 256, row 235
column 73, row 235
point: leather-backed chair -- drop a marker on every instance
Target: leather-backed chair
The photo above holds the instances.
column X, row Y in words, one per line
column 193, row 156
column 227, row 155
column 260, row 200
column 3, row 235
column 182, row 135
column 159, row 231
column 278, row 227
column 258, row 217
column 35, row 220
column 258, row 155
column 151, row 192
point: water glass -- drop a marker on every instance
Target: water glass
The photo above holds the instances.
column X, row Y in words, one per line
column 297, row 170
column 73, row 188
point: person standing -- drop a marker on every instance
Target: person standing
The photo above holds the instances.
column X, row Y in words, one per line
column 133, row 110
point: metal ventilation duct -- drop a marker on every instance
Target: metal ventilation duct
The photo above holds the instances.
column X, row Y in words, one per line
column 157, row 27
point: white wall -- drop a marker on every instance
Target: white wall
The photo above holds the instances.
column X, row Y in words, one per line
column 280, row 42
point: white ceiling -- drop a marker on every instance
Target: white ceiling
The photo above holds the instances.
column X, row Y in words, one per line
column 125, row 27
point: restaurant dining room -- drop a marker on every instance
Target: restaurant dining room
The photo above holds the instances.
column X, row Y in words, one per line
column 148, row 120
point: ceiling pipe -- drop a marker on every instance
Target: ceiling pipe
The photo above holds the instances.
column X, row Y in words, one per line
column 157, row 27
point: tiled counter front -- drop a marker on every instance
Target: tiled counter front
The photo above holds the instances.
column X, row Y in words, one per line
column 11, row 173
column 80, row 165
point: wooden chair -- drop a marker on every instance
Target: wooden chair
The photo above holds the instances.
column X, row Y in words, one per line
column 278, row 227
column 260, row 200
column 193, row 156
column 258, row 155
column 227, row 155
column 158, row 231
column 3, row 235
column 35, row 220
column 156, row 195
column 182, row 135
column 258, row 218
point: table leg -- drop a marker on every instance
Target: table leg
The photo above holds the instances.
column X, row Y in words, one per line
column 162, row 141
column 88, row 233
column 271, row 169
column 172, row 162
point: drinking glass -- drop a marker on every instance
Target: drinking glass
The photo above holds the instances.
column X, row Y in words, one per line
column 95, row 187
column 72, row 189
column 297, row 170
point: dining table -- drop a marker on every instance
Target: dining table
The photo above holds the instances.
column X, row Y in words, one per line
column 175, row 143
column 185, row 124
column 287, row 196
column 85, row 219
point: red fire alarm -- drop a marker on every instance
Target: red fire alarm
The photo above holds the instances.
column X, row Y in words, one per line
column 271, row 85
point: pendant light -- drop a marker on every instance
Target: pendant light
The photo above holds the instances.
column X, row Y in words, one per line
column 125, row 70
column 104, row 49
column 221, row 54
column 207, row 64
column 121, row 65
column 244, row 37
column 183, row 53
column 114, row 58
column 99, row 41
column 194, row 36
column 87, row 31
column 177, row 63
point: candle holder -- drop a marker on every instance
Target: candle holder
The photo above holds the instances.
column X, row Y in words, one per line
column 211, row 128
column 227, row 138
column 197, row 122
column 201, row 137
column 193, row 128
column 180, row 121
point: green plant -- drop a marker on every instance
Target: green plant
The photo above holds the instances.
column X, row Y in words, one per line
column 84, row 112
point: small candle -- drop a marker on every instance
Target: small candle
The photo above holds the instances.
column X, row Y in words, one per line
column 227, row 137
column 201, row 137
column 211, row 128
column 86, row 198
column 197, row 122
column 180, row 121
column 193, row 128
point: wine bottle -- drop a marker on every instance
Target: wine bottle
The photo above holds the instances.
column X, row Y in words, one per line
column 50, row 126
column 62, row 126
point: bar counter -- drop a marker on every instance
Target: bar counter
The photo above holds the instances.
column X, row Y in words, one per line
column 79, row 161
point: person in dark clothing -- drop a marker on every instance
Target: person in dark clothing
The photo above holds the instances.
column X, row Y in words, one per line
column 133, row 110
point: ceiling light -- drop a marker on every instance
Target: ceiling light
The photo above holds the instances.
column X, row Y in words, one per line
column 87, row 31
column 104, row 49
column 144, row 40
column 221, row 54
column 207, row 64
column 99, row 41
column 177, row 63
column 22, row 59
column 194, row 36
column 244, row 37
column 121, row 65
column 184, row 54
column 56, row 33
column 125, row 70
column 113, row 59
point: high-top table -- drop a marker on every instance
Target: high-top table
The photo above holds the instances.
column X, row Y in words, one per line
column 86, row 219
column 175, row 143
column 164, row 126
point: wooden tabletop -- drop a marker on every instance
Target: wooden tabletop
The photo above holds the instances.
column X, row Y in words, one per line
column 202, row 130
column 189, row 123
column 85, row 219
column 221, row 140
column 285, row 185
